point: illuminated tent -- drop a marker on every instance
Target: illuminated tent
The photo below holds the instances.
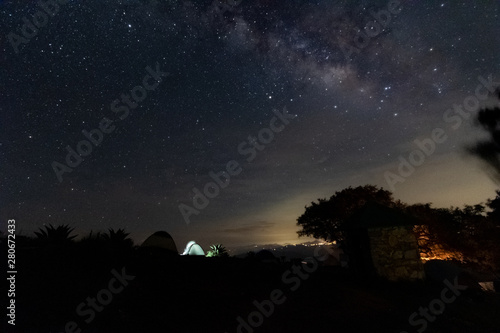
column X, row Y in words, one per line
column 193, row 249
column 160, row 240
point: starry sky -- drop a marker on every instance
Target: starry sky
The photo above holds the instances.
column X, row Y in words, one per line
column 357, row 95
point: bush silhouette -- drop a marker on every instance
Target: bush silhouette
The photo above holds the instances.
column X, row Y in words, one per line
column 55, row 236
column 217, row 250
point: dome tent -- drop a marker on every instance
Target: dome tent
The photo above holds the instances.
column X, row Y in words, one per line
column 193, row 249
column 160, row 240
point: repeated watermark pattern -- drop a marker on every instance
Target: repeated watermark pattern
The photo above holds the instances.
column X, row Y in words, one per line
column 293, row 279
column 221, row 179
column 361, row 37
column 121, row 107
column 88, row 309
column 455, row 117
column 436, row 307
column 30, row 27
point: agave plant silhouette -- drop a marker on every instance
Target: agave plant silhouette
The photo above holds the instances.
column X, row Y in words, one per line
column 91, row 237
column 55, row 236
column 217, row 250
column 117, row 238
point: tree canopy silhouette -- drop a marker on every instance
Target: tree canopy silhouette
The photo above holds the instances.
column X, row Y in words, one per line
column 470, row 232
column 466, row 232
column 327, row 219
column 489, row 150
column 494, row 205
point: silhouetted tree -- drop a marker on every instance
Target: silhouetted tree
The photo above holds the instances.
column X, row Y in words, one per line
column 469, row 232
column 494, row 205
column 326, row 219
column 465, row 232
column 489, row 150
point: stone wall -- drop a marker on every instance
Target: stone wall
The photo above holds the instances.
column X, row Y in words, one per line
column 395, row 253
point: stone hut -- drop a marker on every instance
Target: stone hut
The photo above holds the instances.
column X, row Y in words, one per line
column 382, row 243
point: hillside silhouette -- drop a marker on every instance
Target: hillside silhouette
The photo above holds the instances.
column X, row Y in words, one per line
column 103, row 282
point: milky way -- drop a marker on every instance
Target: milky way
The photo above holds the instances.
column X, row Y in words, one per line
column 362, row 80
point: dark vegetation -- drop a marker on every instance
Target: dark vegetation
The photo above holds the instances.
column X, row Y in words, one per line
column 172, row 293
column 472, row 232
column 489, row 150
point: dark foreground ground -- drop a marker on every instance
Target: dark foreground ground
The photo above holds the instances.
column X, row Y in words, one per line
column 196, row 294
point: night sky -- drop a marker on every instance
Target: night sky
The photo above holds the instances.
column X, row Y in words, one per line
column 218, row 77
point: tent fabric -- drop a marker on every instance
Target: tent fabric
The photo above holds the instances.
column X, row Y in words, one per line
column 193, row 249
column 160, row 240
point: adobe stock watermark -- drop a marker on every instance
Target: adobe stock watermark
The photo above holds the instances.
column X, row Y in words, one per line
column 87, row 309
column 293, row 278
column 121, row 107
column 221, row 179
column 39, row 19
column 363, row 36
column 436, row 306
column 427, row 146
